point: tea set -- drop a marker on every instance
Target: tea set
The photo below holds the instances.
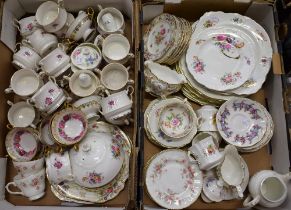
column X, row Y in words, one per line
column 214, row 67
column 66, row 88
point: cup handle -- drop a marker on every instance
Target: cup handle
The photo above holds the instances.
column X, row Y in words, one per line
column 251, row 203
column 62, row 46
column 66, row 78
column 97, row 71
column 239, row 191
column 53, row 79
column 9, row 126
column 32, row 125
column 61, row 3
column 10, row 103
column 99, row 41
column 25, row 42
column 199, row 121
column 42, row 74
column 192, row 157
column 16, row 45
column 90, row 12
column 130, row 82
column 130, row 55
column 16, row 24
column 99, row 7
column 8, row 90
column 130, row 91
column 11, row 192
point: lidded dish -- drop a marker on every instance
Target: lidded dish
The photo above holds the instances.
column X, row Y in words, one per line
column 98, row 160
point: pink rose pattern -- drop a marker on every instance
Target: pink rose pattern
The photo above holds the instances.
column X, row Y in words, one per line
column 58, row 164
column 93, row 178
column 197, row 65
column 111, row 103
column 229, row 78
column 17, row 146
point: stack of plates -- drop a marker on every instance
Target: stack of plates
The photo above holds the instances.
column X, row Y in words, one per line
column 166, row 39
column 229, row 55
column 245, row 124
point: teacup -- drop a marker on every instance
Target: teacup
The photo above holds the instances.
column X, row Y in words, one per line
column 41, row 42
column 84, row 83
column 202, row 135
column 80, row 27
column 118, row 104
column 268, row 189
column 114, row 76
column 52, row 16
column 49, row 97
column 55, row 61
column 26, row 26
column 110, row 20
column 62, row 32
column 25, row 169
column 115, row 48
column 25, row 57
column 120, row 121
column 21, row 114
column 206, row 153
column 58, row 167
column 24, row 82
column 206, row 116
column 89, row 105
column 32, row 186
column 44, row 131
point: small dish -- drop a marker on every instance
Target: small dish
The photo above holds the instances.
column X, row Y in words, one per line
column 176, row 120
column 69, row 126
column 21, row 144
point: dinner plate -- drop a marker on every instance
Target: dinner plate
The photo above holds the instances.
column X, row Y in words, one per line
column 173, row 181
column 73, row 191
column 153, row 131
column 241, row 122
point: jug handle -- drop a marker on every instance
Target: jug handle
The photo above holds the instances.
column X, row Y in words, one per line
column 251, row 203
column 286, row 177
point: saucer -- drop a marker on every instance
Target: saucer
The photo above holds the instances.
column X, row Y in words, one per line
column 69, row 126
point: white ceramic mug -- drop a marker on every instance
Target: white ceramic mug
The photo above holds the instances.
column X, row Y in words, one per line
column 110, row 20
column 25, row 82
column 32, row 186
column 206, row 118
column 206, row 153
column 90, row 106
column 114, row 76
column 118, row 104
column 21, row 114
column 58, row 167
column 115, row 48
column 55, row 61
column 26, row 26
column 28, row 168
column 41, row 42
column 25, row 57
column 52, row 16
column 268, row 189
column 49, row 97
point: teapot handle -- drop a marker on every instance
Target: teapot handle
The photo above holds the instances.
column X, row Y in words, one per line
column 251, row 203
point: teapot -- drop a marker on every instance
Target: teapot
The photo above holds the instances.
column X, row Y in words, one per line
column 161, row 80
column 267, row 188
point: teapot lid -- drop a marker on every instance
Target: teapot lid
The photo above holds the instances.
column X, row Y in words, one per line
column 98, row 160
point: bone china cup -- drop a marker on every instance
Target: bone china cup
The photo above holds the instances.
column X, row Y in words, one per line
column 89, row 105
column 30, row 167
column 24, row 83
column 55, row 61
column 206, row 153
column 32, row 186
column 26, row 26
column 48, row 98
column 206, row 115
column 115, row 48
column 115, row 76
column 25, row 57
column 21, row 114
column 51, row 16
column 110, row 20
column 41, row 42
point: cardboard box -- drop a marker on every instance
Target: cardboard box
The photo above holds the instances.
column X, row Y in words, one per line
column 16, row 9
column 275, row 155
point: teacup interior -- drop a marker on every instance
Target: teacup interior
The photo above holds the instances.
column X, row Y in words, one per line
column 114, row 78
column 21, row 114
column 47, row 13
column 272, row 189
column 116, row 47
column 24, row 82
column 116, row 16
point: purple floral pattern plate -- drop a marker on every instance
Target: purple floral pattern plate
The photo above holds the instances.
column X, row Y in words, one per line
column 241, row 122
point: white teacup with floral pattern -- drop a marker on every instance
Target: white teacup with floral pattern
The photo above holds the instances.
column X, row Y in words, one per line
column 30, row 167
column 32, row 186
column 26, row 26
column 58, row 167
column 206, row 153
column 25, row 57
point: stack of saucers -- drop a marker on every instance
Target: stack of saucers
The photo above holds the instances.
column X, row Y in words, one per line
column 245, row 124
column 170, row 123
column 228, row 55
column 166, row 39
